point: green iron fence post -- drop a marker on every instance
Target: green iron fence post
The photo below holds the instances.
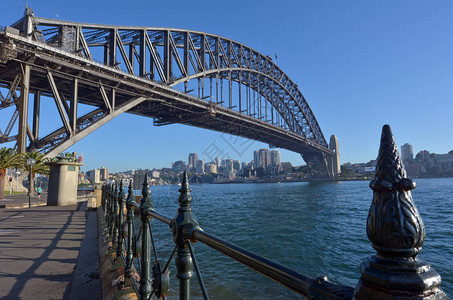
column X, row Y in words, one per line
column 183, row 226
column 110, row 209
column 396, row 230
column 121, row 200
column 115, row 214
column 130, row 230
column 146, row 206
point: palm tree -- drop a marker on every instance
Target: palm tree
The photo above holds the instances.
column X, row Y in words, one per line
column 8, row 159
column 39, row 167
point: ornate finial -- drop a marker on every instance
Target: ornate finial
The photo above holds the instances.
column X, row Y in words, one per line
column 121, row 195
column 396, row 231
column 185, row 198
column 130, row 195
column 146, row 191
column 394, row 225
column 185, row 221
column 146, row 202
column 390, row 172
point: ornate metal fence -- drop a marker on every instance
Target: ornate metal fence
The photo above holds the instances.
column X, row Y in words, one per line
column 394, row 227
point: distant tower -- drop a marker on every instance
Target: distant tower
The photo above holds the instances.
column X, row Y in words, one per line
column 199, row 168
column 407, row 152
column 193, row 157
column 275, row 157
column 104, row 173
column 333, row 145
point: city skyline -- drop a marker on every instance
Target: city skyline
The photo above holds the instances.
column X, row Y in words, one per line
column 401, row 152
column 359, row 65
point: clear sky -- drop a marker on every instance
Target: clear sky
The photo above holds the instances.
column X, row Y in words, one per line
column 359, row 64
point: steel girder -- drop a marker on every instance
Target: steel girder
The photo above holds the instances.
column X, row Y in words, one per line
column 176, row 56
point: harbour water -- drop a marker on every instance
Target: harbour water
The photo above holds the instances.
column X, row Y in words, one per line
column 314, row 228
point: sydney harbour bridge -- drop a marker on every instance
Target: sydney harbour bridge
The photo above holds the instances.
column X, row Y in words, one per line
column 170, row 75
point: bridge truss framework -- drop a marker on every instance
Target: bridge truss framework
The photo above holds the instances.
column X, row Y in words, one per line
column 171, row 75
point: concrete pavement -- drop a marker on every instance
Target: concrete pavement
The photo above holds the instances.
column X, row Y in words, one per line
column 47, row 252
column 21, row 201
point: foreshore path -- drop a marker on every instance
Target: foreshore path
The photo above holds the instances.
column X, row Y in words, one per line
column 48, row 252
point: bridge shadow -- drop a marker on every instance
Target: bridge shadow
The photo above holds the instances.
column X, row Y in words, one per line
column 39, row 257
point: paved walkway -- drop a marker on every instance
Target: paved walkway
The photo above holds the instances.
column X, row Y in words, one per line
column 39, row 253
column 21, row 201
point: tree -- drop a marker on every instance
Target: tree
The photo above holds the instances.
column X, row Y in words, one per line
column 450, row 152
column 39, row 167
column 8, row 159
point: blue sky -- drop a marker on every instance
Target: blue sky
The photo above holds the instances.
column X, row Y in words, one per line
column 359, row 64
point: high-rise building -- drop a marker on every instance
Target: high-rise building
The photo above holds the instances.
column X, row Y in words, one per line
column 237, row 165
column 407, row 152
column 139, row 179
column 104, row 173
column 93, row 175
column 217, row 161
column 275, row 157
column 199, row 166
column 229, row 165
column 255, row 159
column 193, row 157
column 261, row 158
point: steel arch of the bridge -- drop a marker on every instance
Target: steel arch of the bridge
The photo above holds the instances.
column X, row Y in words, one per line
column 176, row 57
column 151, row 72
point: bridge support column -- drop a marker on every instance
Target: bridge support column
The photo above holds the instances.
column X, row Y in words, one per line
column 334, row 161
column 317, row 165
column 23, row 109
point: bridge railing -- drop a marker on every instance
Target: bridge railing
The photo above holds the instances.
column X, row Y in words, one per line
column 394, row 227
column 151, row 278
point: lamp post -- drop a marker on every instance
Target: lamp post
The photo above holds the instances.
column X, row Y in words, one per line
column 31, row 162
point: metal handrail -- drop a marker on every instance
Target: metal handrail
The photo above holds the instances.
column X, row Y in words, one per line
column 281, row 274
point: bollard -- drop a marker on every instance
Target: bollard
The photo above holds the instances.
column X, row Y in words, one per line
column 130, row 230
column 120, row 238
column 146, row 206
column 183, row 226
column 396, row 231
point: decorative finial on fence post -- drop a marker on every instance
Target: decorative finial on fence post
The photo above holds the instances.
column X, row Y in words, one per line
column 121, row 200
column 396, row 231
column 130, row 230
column 115, row 215
column 183, row 225
column 185, row 198
column 146, row 205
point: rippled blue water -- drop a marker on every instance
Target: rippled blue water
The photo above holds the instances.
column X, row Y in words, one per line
column 313, row 228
